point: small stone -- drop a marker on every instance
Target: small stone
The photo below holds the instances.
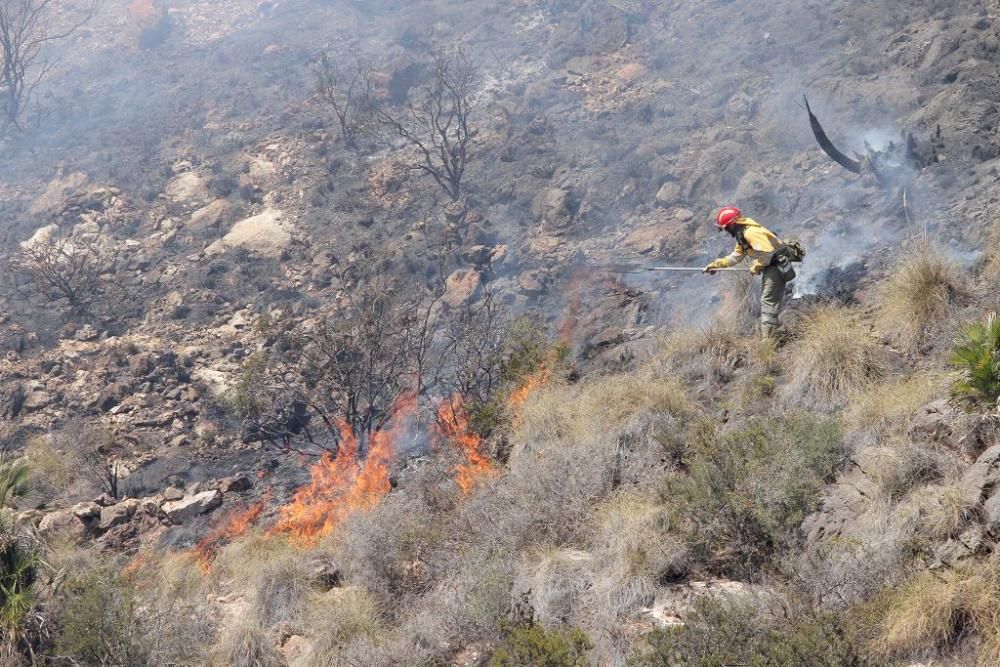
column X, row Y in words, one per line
column 86, row 333
column 235, row 484
column 172, row 493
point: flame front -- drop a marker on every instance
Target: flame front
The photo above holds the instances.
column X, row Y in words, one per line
column 453, row 425
column 236, row 524
column 344, row 483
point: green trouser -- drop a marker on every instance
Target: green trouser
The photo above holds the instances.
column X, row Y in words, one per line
column 771, row 299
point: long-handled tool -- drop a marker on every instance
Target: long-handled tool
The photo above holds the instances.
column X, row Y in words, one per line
column 635, row 268
column 687, row 268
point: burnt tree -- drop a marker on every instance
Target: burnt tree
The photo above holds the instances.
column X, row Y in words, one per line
column 437, row 122
column 78, row 274
column 348, row 92
column 26, row 28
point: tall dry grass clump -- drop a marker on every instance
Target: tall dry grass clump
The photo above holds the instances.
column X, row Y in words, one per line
column 883, row 412
column 918, row 298
column 934, row 612
column 833, row 357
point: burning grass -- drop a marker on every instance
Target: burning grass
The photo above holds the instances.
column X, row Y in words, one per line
column 453, row 425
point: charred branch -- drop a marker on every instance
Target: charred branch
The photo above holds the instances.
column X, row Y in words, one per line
column 824, row 142
column 436, row 124
column 26, row 28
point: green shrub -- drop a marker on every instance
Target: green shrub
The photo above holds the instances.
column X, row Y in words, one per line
column 746, row 492
column 716, row 635
column 98, row 623
column 534, row 646
column 977, row 353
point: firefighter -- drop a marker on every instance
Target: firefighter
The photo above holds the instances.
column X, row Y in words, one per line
column 772, row 260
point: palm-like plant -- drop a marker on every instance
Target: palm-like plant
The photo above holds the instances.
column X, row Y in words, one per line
column 19, row 557
column 978, row 354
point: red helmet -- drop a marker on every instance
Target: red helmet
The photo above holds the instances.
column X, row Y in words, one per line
column 728, row 216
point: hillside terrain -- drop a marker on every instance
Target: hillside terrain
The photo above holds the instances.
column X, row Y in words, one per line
column 327, row 340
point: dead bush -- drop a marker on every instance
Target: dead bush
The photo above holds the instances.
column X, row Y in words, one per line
column 918, row 299
column 575, row 445
column 832, row 357
column 898, row 467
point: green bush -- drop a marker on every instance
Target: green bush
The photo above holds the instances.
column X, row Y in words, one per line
column 977, row 353
column 98, row 623
column 531, row 645
column 716, row 635
column 746, row 492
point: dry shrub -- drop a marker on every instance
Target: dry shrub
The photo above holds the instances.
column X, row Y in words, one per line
column 577, row 444
column 246, row 642
column 918, row 297
column 833, row 357
column 271, row 573
column 710, row 355
column 173, row 597
column 633, row 539
column 872, row 552
column 556, row 585
column 935, row 611
column 878, row 413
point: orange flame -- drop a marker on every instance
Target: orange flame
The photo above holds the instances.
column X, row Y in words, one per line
column 531, row 384
column 343, row 483
column 453, row 424
column 235, row 524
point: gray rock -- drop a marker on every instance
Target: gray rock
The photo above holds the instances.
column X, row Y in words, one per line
column 552, row 207
column 981, row 477
column 37, row 400
column 668, row 194
column 115, row 515
column 179, row 511
column 172, row 493
column 970, row 543
column 991, row 514
column 86, row 333
column 235, row 484
column 86, row 511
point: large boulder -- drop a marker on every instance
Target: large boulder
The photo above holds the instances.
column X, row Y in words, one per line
column 553, row 208
column 115, row 515
column 187, row 508
column 267, row 233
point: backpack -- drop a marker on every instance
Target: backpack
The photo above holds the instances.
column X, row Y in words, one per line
column 795, row 250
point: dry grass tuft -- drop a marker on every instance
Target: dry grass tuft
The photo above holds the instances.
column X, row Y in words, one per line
column 246, row 642
column 338, row 618
column 917, row 300
column 934, row 611
column 271, row 573
column 898, row 467
column 942, row 509
column 879, row 413
column 709, row 355
column 833, row 357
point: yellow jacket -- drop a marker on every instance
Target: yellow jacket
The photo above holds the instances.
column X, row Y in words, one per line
column 762, row 246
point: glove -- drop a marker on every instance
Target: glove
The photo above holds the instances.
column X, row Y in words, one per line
column 756, row 268
column 717, row 264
